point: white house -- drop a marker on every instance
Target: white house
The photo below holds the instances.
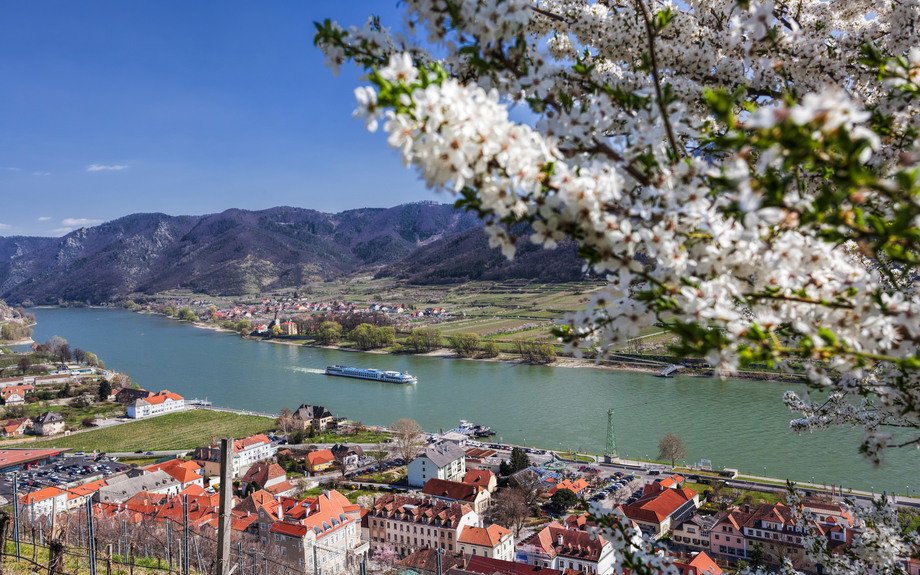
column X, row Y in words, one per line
column 556, row 547
column 163, row 402
column 443, row 461
column 44, row 502
column 252, row 450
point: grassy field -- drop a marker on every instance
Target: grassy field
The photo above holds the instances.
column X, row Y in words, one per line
column 185, row 430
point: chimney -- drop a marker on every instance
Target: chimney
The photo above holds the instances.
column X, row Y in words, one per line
column 747, row 508
column 559, row 539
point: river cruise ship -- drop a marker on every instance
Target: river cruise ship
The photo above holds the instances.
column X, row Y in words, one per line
column 375, row 374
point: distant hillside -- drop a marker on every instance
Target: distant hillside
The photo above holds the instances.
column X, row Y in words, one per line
column 466, row 256
column 233, row 252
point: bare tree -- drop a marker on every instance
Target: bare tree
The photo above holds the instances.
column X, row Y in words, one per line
column 285, row 422
column 509, row 509
column 24, row 363
column 121, row 381
column 79, row 355
column 530, row 487
column 671, row 448
column 408, row 436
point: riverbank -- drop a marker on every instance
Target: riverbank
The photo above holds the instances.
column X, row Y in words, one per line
column 26, row 341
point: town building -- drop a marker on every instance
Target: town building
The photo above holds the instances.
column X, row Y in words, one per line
column 19, row 459
column 158, row 404
column 265, row 475
column 128, row 395
column 349, row 456
column 288, row 328
column 44, row 502
column 491, row 566
column 425, row 562
column 319, row 460
column 327, row 527
column 443, row 461
column 120, row 491
column 481, row 478
column 694, row 533
column 15, row 394
column 251, row 450
column 556, row 547
column 455, row 492
column 407, row 524
column 316, row 416
column 701, row 564
column 493, row 541
column 659, row 508
column 48, row 423
column 15, row 427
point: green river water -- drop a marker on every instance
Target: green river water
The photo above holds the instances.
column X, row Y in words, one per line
column 738, row 424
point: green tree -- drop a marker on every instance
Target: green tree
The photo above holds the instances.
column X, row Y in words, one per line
column 504, row 468
column 564, row 499
column 169, row 311
column 105, row 390
column 424, row 340
column 327, row 333
column 187, row 315
column 243, row 326
column 519, row 459
column 276, row 330
column 386, row 336
column 130, row 305
column 364, row 336
column 490, row 349
column 464, row 344
column 65, row 391
column 91, row 359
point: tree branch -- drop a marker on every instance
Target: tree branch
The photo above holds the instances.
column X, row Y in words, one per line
column 651, row 51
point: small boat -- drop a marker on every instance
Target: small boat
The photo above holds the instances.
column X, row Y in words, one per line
column 470, row 430
column 669, row 371
column 374, row 374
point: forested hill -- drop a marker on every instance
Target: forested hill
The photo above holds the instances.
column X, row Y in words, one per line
column 233, row 252
column 466, row 256
column 240, row 251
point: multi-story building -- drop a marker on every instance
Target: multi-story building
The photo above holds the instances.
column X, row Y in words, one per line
column 493, row 541
column 158, row 404
column 316, row 416
column 251, row 450
column 776, row 534
column 477, row 497
column 407, row 523
column 443, row 461
column 327, row 529
column 48, row 423
column 659, row 508
column 44, row 502
column 694, row 533
column 556, row 547
column 319, row 460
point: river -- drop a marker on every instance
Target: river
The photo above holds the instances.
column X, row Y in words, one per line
column 738, row 424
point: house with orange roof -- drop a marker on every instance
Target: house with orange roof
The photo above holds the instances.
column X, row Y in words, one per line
column 556, row 547
column 326, row 524
column 265, row 475
column 659, row 508
column 44, row 502
column 409, row 523
column 15, row 427
column 493, row 541
column 320, row 460
column 15, row 394
column 481, row 478
column 576, row 487
column 163, row 402
column 77, row 496
column 477, row 497
column 672, row 482
column 250, row 450
column 701, row 564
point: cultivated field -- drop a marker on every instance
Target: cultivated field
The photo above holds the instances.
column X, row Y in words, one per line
column 185, row 430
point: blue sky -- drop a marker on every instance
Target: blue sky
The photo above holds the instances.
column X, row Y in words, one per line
column 112, row 108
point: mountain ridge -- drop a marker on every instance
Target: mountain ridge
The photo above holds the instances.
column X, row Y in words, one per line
column 238, row 251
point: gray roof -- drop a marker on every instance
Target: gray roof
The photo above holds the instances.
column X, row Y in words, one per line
column 305, row 412
column 444, row 453
column 156, row 482
column 50, row 417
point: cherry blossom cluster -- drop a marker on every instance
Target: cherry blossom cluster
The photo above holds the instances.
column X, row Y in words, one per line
column 743, row 173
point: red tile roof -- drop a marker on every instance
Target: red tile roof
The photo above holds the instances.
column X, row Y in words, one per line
column 488, row 566
column 290, row 529
column 320, row 457
column 246, row 443
column 162, row 397
column 451, row 490
column 657, row 503
column 480, row 477
column 40, row 495
column 575, row 544
column 485, row 537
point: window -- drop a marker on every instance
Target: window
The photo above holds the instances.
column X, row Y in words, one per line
column 450, row 547
column 284, row 551
column 262, row 526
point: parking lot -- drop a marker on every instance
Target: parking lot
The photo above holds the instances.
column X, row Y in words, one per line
column 65, row 473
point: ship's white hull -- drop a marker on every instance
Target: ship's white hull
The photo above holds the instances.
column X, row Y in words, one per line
column 403, row 380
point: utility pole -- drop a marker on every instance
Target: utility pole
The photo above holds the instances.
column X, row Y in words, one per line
column 185, row 533
column 91, row 536
column 16, row 512
column 224, row 508
column 439, row 552
column 315, row 562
